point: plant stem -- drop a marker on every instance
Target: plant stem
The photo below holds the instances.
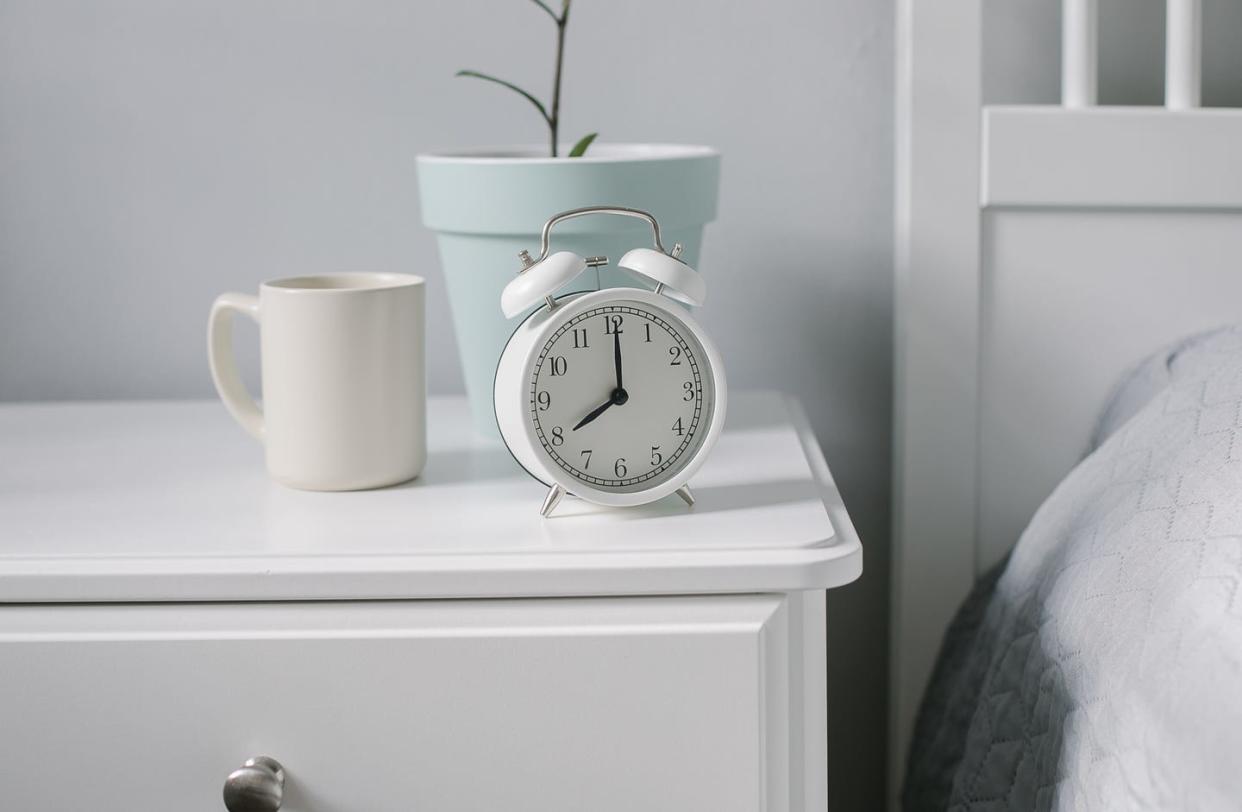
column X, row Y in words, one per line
column 554, row 120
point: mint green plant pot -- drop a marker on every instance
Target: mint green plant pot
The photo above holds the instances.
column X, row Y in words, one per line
column 487, row 206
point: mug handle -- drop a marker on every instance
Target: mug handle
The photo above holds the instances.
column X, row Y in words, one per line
column 223, row 365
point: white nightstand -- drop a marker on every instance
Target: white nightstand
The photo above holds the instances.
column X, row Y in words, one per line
column 435, row 646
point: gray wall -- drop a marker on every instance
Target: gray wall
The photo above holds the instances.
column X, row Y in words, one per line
column 155, row 154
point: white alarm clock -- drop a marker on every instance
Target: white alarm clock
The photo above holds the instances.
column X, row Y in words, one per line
column 615, row 396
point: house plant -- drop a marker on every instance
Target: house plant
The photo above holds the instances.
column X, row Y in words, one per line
column 488, row 205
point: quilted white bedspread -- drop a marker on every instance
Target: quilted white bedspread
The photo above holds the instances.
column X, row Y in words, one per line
column 1103, row 668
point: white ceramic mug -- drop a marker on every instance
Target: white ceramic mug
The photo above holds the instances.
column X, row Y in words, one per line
column 344, row 377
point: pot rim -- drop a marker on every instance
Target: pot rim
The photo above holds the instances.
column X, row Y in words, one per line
column 527, row 154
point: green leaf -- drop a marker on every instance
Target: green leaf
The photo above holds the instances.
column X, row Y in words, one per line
column 529, row 97
column 580, row 148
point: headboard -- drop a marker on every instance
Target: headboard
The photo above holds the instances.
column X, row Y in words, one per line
column 1040, row 251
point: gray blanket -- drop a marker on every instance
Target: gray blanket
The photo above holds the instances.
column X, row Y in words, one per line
column 1102, row 667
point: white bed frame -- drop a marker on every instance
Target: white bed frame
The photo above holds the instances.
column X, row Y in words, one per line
column 1041, row 250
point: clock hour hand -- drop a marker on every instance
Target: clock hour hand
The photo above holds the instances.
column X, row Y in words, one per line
column 596, row 412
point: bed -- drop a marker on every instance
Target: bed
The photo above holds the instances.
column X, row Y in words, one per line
column 1042, row 251
column 1100, row 665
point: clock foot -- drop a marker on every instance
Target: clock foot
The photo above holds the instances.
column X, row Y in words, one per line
column 686, row 495
column 550, row 501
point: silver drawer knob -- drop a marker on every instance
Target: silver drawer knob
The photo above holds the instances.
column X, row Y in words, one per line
column 256, row 786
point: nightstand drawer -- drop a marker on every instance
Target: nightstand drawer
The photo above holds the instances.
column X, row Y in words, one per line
column 541, row 705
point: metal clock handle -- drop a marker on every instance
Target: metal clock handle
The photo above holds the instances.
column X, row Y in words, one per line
column 545, row 240
column 256, row 786
column 540, row 278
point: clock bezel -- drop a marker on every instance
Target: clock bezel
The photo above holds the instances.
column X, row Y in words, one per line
column 511, row 390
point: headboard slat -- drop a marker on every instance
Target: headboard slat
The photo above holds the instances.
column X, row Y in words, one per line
column 1080, row 23
column 1183, row 57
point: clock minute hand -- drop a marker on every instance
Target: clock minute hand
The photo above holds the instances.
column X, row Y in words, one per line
column 616, row 355
column 596, row 412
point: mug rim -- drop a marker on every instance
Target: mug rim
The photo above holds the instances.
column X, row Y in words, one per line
column 344, row 282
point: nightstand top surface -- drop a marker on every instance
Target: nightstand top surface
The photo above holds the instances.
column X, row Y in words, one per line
column 169, row 501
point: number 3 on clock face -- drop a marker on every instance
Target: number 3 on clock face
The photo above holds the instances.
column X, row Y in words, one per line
column 620, row 396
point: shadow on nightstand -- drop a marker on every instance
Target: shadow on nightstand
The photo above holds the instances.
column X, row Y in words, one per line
column 713, row 498
column 460, row 466
column 708, row 499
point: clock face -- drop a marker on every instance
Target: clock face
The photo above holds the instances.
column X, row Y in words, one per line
column 620, row 396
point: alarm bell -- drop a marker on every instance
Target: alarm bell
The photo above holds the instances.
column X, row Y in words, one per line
column 540, row 279
column 671, row 276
